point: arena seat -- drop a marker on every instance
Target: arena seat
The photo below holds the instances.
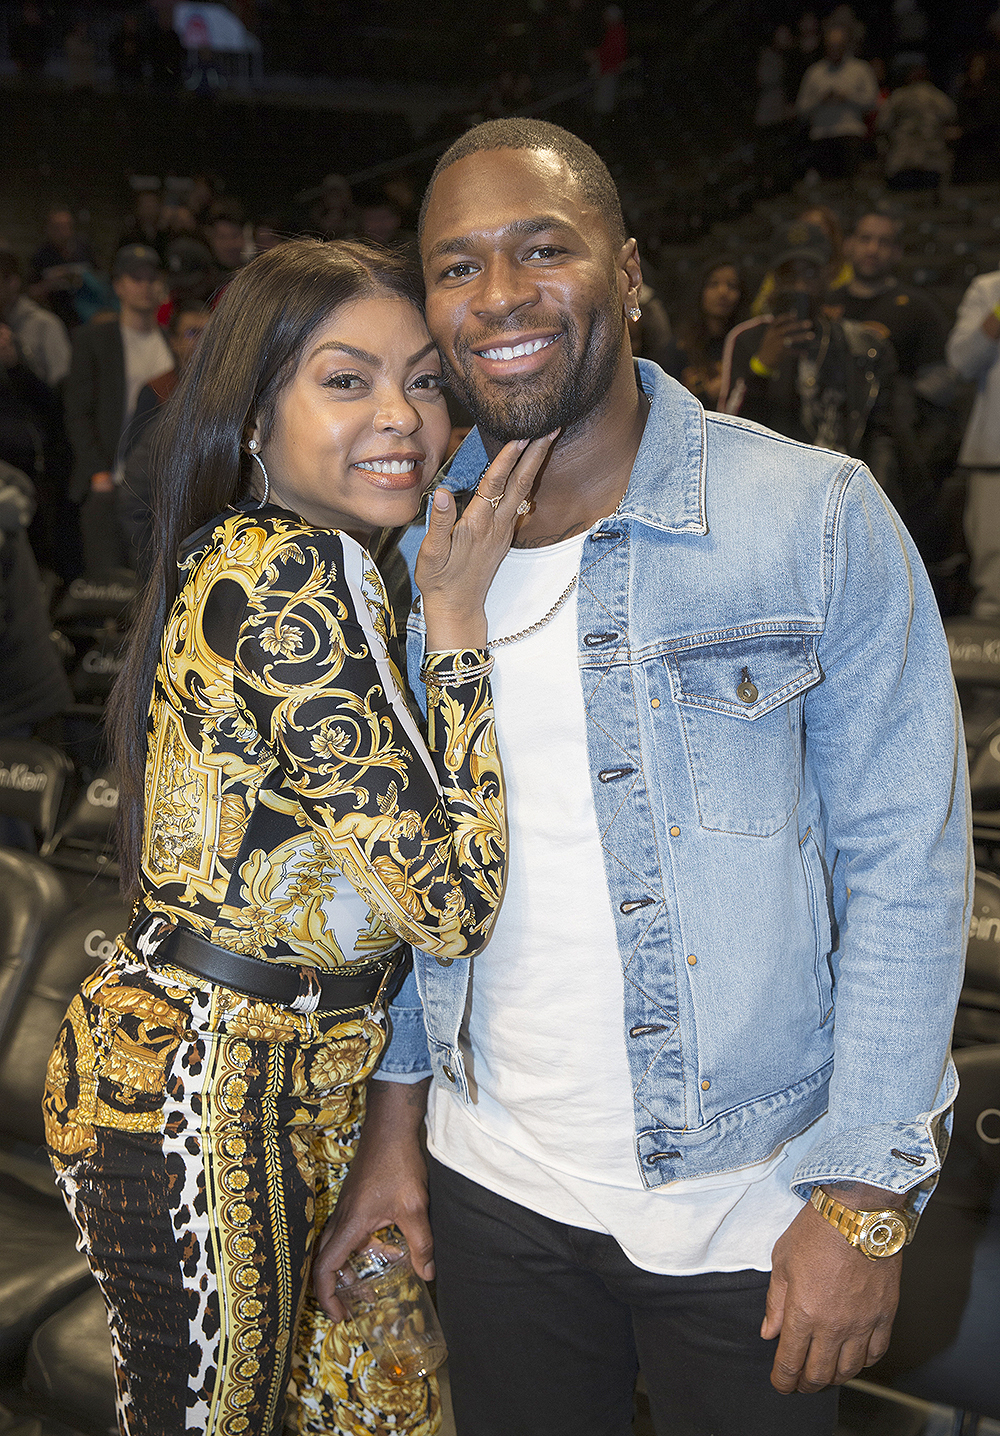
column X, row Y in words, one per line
column 85, row 841
column 70, row 1375
column 40, row 1268
column 974, row 645
column 978, row 1017
column 944, row 1341
column 90, row 601
column 32, row 900
column 33, row 776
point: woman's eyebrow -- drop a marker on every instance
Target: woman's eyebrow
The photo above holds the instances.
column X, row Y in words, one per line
column 363, row 356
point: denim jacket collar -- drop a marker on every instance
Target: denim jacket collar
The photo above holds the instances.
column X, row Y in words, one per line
column 670, row 495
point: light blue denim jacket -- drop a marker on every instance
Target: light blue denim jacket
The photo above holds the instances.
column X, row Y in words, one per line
column 788, row 862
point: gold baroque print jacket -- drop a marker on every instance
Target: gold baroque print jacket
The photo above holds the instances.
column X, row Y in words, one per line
column 293, row 810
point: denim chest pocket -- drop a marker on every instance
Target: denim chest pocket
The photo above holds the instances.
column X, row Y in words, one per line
column 740, row 709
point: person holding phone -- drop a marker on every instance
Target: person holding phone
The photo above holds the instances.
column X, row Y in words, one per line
column 816, row 379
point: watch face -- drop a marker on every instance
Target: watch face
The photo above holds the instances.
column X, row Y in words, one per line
column 883, row 1235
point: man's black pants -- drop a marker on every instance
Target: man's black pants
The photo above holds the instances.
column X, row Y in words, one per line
column 548, row 1324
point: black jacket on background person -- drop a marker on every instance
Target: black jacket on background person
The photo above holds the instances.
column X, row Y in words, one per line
column 873, row 420
column 34, row 682
column 95, row 401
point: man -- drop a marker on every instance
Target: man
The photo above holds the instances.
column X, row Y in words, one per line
column 33, row 440
column 736, row 801
column 835, row 95
column 184, row 329
column 916, row 327
column 60, row 265
column 113, row 359
column 815, row 379
column 224, row 232
column 41, row 336
column 919, row 121
column 973, row 349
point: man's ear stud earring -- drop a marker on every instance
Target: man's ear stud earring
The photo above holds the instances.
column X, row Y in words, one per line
column 635, row 313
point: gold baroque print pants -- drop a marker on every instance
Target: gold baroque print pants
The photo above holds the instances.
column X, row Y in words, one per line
column 200, row 1139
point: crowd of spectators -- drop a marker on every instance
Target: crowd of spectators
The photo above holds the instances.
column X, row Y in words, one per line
column 826, row 104
column 817, row 335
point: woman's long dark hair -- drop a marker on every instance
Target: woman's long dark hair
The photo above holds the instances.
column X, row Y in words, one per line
column 692, row 327
column 248, row 353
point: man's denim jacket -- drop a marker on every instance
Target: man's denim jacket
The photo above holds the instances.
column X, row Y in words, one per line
column 780, row 784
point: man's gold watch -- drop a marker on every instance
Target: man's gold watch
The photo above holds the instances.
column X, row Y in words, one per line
column 877, row 1234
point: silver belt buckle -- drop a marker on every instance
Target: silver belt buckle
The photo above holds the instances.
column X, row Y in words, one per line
column 307, row 998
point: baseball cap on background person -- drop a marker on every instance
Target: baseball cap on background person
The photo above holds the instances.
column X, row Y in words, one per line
column 191, row 275
column 188, row 260
column 135, row 260
column 803, row 241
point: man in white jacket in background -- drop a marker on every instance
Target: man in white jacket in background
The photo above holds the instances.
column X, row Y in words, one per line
column 973, row 349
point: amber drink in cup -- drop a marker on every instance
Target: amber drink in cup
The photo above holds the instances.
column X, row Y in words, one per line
column 391, row 1307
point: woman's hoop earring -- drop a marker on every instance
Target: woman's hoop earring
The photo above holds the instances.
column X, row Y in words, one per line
column 252, row 446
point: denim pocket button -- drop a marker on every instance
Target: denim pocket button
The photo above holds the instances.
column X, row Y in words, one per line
column 746, row 693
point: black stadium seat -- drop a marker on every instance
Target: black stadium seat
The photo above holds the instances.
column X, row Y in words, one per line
column 32, row 900
column 85, row 840
column 974, row 645
column 40, row 1268
column 978, row 1016
column 70, row 1373
column 32, row 778
column 944, row 1341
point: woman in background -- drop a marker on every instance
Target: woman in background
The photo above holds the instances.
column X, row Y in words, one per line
column 694, row 355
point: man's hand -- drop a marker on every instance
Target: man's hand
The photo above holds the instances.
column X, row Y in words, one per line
column 830, row 1304
column 387, row 1183
column 786, row 332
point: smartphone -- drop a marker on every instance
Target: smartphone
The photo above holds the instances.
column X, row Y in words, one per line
column 793, row 301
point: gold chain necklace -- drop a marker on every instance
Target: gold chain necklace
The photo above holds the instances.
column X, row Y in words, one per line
column 492, row 643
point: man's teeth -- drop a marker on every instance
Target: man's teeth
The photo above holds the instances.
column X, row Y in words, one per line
column 519, row 350
column 389, row 466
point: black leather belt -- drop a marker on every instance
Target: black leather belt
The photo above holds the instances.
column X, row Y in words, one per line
column 292, row 985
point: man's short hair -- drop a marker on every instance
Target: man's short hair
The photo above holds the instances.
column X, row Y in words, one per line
column 518, row 133
column 228, row 210
column 894, row 220
column 184, row 307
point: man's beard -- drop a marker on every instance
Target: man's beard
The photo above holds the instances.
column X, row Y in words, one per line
column 531, row 406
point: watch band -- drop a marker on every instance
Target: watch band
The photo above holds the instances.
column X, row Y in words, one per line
column 875, row 1233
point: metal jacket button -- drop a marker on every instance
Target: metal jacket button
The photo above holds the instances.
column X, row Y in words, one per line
column 443, row 961
column 746, row 691
column 448, row 1073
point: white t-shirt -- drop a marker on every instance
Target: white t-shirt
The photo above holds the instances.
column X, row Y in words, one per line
column 551, row 1121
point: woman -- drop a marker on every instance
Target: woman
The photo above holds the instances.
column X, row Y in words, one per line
column 695, row 354
column 284, row 829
